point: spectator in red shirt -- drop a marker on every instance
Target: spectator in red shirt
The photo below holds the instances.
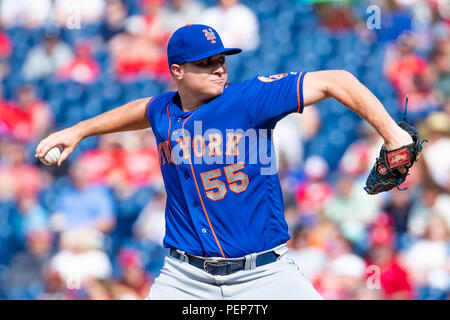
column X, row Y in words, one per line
column 152, row 25
column 140, row 159
column 393, row 277
column 13, row 122
column 122, row 163
column 103, row 165
column 5, row 44
column 409, row 73
column 83, row 68
column 134, row 276
column 26, row 119
column 394, row 280
column 17, row 176
column 140, row 50
column 134, row 56
column 38, row 111
column 315, row 192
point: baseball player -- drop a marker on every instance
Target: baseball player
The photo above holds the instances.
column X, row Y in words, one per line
column 225, row 224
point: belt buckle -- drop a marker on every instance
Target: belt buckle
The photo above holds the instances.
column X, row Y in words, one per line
column 213, row 263
column 226, row 267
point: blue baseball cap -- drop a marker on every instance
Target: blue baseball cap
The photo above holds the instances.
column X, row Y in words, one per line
column 195, row 42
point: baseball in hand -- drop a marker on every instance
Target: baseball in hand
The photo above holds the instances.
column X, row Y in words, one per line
column 51, row 157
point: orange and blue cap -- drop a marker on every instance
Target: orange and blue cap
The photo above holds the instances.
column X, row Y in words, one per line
column 195, row 42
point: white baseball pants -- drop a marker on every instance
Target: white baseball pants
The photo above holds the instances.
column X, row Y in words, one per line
column 280, row 280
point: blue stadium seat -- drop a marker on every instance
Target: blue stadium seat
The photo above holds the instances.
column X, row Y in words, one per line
column 11, row 84
column 286, row 18
column 323, row 45
column 7, row 248
column 346, row 123
column 112, row 92
column 73, row 91
column 265, row 8
column 130, row 90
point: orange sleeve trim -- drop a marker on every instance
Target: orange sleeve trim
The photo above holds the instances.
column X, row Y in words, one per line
column 300, row 103
column 148, row 105
column 200, row 196
column 168, row 116
column 168, row 136
column 298, row 92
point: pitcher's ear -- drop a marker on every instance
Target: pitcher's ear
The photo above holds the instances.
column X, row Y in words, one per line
column 177, row 71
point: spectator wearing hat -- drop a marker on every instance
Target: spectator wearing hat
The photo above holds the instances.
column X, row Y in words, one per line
column 45, row 58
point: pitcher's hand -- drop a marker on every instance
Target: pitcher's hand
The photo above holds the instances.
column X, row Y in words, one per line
column 66, row 139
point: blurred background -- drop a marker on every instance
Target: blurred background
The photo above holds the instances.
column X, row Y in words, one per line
column 93, row 228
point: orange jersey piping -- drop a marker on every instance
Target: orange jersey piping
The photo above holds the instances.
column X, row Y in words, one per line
column 200, row 196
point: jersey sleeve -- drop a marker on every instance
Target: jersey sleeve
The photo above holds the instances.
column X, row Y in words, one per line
column 272, row 98
column 157, row 105
column 148, row 111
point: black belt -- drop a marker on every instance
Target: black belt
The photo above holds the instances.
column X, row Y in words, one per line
column 224, row 266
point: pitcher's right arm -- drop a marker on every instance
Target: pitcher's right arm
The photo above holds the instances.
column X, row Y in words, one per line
column 130, row 116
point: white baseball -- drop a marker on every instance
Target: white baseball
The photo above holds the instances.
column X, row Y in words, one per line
column 51, row 157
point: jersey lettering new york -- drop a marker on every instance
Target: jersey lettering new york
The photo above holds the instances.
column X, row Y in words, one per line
column 223, row 192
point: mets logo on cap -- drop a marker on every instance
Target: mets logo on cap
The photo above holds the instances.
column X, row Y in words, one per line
column 209, row 34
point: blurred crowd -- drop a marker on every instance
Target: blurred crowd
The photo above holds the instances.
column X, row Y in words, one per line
column 93, row 228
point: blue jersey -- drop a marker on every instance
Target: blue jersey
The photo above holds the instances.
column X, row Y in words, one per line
column 224, row 196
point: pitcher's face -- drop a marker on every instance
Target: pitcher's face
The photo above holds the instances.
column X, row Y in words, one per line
column 206, row 77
